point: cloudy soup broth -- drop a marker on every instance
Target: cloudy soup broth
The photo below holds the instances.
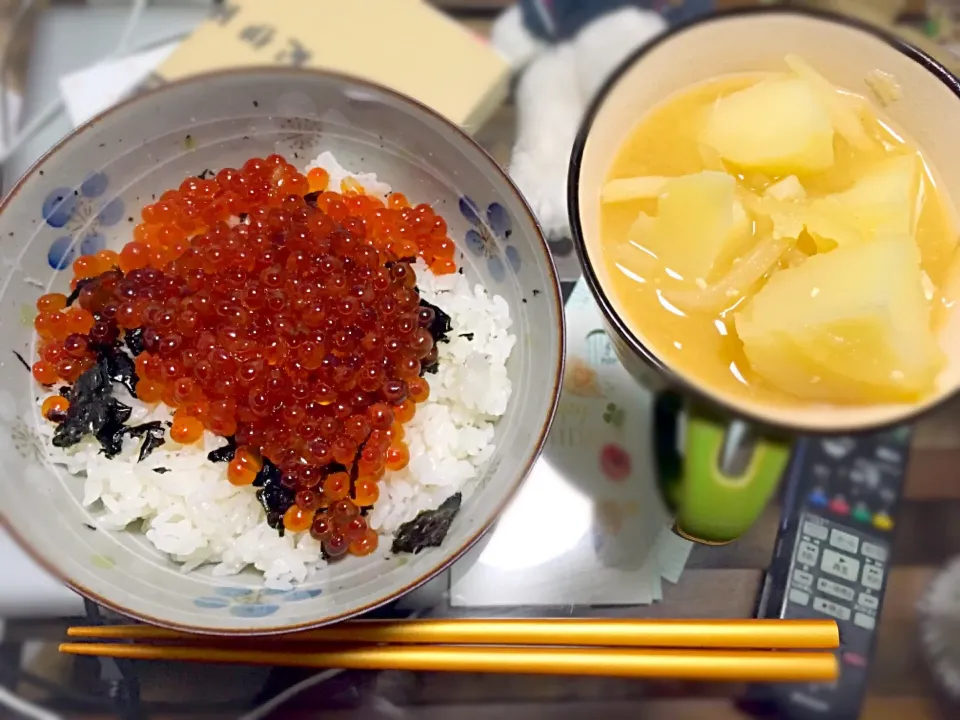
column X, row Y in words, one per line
column 773, row 239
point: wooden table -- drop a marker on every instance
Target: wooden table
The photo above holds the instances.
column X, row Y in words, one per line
column 719, row 582
column 724, row 582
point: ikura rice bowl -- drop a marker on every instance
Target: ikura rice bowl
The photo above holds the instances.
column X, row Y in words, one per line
column 280, row 370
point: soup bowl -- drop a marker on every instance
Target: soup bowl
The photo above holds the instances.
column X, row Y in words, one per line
column 87, row 193
column 735, row 449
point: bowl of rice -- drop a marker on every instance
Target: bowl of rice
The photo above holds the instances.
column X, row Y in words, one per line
column 280, row 345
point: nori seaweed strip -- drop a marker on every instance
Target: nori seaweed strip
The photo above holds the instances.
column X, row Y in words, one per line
column 438, row 329
column 120, row 367
column 144, row 428
column 94, row 411
column 266, row 472
column 468, row 336
column 441, row 324
column 75, row 293
column 354, row 471
column 225, row 453
column 150, row 443
column 65, row 390
column 110, row 435
column 161, row 470
column 428, row 528
column 91, row 406
column 133, row 339
column 273, row 495
column 311, row 198
column 152, row 434
column 22, row 361
column 275, row 520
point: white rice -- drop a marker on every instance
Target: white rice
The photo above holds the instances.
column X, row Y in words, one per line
column 195, row 516
column 338, row 173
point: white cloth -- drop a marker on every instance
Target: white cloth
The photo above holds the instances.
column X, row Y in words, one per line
column 26, row 590
column 553, row 93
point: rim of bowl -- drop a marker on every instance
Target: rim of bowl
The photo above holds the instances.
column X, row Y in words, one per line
column 679, row 382
column 532, row 457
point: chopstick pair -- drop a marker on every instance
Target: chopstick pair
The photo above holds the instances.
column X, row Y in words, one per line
column 719, row 650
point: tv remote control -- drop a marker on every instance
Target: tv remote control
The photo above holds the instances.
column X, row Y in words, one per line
column 832, row 559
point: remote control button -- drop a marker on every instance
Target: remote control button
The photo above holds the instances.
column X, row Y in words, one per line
column 836, row 589
column 839, row 505
column 866, row 474
column 865, row 621
column 851, row 658
column 831, row 608
column 888, row 454
column 799, row 597
column 901, row 435
column 818, row 498
column 844, row 541
column 845, row 568
column 882, row 521
column 807, row 553
column 870, row 602
column 872, row 577
column 861, row 513
column 818, row 532
column 802, row 578
column 874, row 552
column 837, row 447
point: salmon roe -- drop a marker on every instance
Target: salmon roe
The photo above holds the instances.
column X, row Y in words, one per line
column 244, row 467
column 419, row 390
column 365, row 544
column 54, row 407
column 45, row 372
column 298, row 332
column 186, row 430
column 296, row 519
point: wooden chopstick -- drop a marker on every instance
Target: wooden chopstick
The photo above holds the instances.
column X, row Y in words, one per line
column 732, row 666
column 726, row 634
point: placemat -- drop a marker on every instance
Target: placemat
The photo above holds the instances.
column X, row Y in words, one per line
column 588, row 526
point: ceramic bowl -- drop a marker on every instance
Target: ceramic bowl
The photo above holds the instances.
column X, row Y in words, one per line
column 849, row 53
column 87, row 193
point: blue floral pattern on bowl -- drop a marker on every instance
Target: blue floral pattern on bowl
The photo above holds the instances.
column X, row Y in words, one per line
column 82, row 214
column 250, row 603
column 490, row 236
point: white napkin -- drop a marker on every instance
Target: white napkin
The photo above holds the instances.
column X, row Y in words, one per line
column 93, row 89
column 10, row 122
column 588, row 526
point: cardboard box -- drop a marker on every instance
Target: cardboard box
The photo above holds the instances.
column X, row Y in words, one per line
column 405, row 45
